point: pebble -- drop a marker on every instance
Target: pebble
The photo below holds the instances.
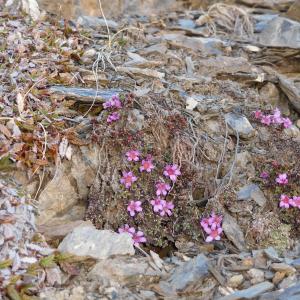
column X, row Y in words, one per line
column 256, row 275
column 278, row 277
column 236, row 280
column 240, row 125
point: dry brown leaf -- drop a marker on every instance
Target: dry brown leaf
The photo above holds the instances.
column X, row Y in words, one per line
column 5, row 131
column 41, row 162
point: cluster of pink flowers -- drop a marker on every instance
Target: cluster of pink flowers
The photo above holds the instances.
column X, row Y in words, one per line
column 159, row 205
column 162, row 206
column 287, row 202
column 137, row 236
column 213, row 227
column 274, row 118
column 282, row 179
column 146, row 164
column 113, row 103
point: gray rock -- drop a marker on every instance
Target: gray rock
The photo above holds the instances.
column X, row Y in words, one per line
column 95, row 22
column 233, row 232
column 288, row 282
column 251, row 292
column 99, row 244
column 291, row 90
column 124, row 270
column 262, row 21
column 240, row 124
column 272, row 254
column 147, row 294
column 296, row 263
column 270, row 296
column 59, row 195
column 252, row 192
column 186, row 23
column 192, row 271
column 291, row 293
column 271, row 95
column 58, row 202
column 292, row 132
column 281, row 32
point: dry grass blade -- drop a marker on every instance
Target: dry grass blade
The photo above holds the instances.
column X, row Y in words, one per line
column 233, row 19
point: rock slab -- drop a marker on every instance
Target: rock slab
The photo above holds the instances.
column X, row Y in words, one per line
column 192, row 271
column 252, row 192
column 251, row 292
column 98, row 244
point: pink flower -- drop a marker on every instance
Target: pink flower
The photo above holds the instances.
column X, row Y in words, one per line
column 264, row 175
column 295, row 201
column 266, row 119
column 138, row 238
column 133, row 207
column 214, row 234
column 167, row 208
column 282, row 179
column 127, row 228
column 146, row 166
column 215, row 221
column 157, row 204
column 285, row 201
column 133, row 155
column 258, row 114
column 287, row 123
column 115, row 102
column 212, row 226
column 113, row 117
column 205, row 223
column 107, row 104
column 162, row 188
column 172, row 171
column 276, row 118
column 127, row 179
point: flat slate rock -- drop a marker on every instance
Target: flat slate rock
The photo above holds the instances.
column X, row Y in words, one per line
column 192, row 271
column 85, row 95
column 251, row 292
column 252, row 192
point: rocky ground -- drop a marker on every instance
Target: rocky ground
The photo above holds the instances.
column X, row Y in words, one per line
column 213, row 93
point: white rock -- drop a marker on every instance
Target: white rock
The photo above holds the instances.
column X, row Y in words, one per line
column 99, row 244
column 256, row 275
